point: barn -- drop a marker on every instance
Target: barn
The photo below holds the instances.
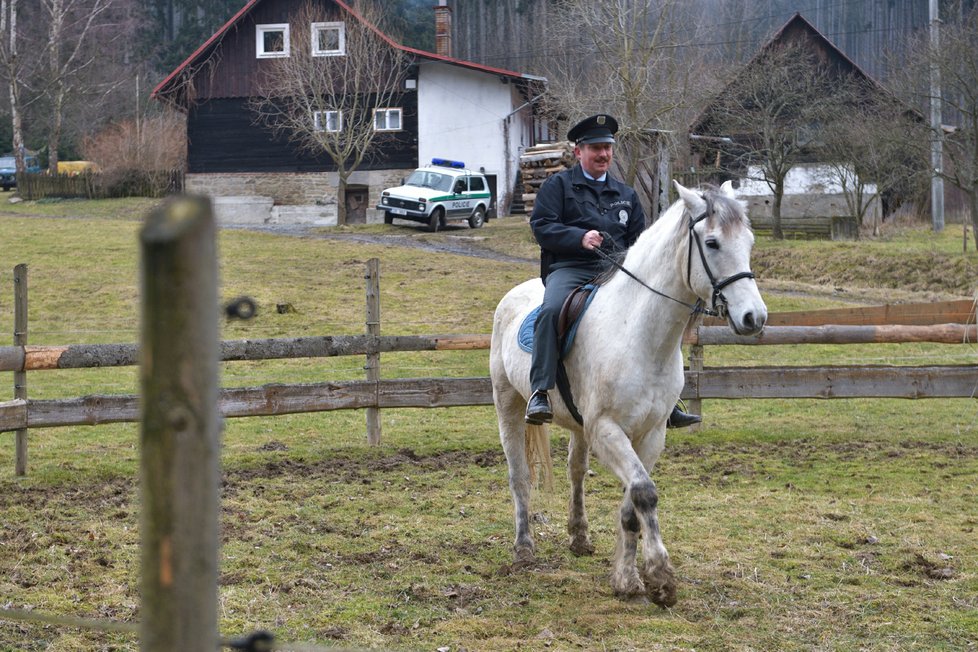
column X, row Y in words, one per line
column 446, row 108
column 814, row 204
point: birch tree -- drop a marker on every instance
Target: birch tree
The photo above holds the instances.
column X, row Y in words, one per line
column 73, row 25
column 325, row 104
column 13, row 67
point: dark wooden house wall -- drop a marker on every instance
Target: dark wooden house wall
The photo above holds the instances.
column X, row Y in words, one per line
column 233, row 68
column 222, row 132
column 222, row 136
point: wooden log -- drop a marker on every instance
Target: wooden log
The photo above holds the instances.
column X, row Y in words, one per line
column 948, row 381
column 833, row 382
column 85, row 356
column 180, row 447
column 373, row 355
column 941, row 333
column 921, row 314
column 20, row 377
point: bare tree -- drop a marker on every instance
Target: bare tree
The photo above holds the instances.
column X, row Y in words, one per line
column 772, row 112
column 627, row 58
column 958, row 65
column 72, row 26
column 329, row 104
column 872, row 143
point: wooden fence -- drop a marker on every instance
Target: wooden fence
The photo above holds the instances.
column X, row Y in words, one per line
column 97, row 185
column 947, row 323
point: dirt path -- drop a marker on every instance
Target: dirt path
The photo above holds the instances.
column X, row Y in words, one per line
column 448, row 243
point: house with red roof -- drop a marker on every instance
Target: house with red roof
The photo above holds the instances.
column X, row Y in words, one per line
column 448, row 108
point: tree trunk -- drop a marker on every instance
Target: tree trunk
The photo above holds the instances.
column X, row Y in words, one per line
column 341, row 198
column 973, row 196
column 776, row 231
column 13, row 84
column 54, row 138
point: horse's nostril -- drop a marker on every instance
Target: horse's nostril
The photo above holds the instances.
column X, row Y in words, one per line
column 749, row 320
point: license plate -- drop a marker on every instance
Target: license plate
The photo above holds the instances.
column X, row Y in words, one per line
column 398, row 211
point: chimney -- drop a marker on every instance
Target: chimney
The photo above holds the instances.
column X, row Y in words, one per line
column 443, row 29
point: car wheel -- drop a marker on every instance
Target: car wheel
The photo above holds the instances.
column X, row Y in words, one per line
column 478, row 218
column 388, row 217
column 437, row 220
column 6, row 188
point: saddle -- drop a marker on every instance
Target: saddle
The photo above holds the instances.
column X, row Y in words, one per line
column 570, row 314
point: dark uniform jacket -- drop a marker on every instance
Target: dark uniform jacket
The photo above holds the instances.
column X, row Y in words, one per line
column 568, row 205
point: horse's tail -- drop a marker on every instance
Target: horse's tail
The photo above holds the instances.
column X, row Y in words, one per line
column 538, row 456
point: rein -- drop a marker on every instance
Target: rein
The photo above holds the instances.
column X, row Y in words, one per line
column 719, row 301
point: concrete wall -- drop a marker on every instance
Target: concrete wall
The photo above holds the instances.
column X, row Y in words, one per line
column 286, row 198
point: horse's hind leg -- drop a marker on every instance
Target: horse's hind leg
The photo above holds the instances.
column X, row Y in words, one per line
column 509, row 412
column 577, row 525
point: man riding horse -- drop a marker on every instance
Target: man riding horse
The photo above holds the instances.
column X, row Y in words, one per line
column 573, row 212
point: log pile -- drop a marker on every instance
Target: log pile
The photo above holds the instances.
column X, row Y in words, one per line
column 539, row 162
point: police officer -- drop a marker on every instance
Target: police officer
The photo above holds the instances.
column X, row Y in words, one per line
column 572, row 210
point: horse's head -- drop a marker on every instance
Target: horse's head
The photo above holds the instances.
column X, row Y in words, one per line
column 718, row 265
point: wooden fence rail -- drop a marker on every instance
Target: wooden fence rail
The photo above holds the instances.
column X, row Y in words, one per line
column 939, row 381
column 854, row 327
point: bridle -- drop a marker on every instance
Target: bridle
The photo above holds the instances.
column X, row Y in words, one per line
column 717, row 300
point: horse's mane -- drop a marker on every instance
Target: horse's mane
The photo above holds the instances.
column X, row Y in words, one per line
column 673, row 224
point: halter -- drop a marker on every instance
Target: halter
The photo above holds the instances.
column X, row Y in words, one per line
column 718, row 301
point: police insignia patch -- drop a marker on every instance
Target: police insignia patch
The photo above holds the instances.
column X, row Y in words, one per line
column 622, row 216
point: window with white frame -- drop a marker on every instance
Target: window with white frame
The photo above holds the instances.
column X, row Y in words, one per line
column 387, row 119
column 272, row 40
column 328, row 39
column 331, row 121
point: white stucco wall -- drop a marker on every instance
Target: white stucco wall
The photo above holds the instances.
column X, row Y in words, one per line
column 809, row 190
column 461, row 116
column 801, row 179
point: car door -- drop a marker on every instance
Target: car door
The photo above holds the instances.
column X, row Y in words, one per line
column 460, row 205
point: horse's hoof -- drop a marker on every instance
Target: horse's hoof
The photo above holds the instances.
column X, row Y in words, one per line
column 629, row 587
column 582, row 546
column 523, row 556
column 661, row 587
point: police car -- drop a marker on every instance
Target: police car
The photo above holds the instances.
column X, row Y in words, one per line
column 436, row 194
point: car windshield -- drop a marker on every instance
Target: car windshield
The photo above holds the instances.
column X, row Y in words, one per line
column 8, row 162
column 433, row 180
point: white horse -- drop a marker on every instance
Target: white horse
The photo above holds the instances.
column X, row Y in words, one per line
column 626, row 373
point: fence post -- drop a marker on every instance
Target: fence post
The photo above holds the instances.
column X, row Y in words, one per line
column 180, row 447
column 20, row 377
column 695, row 364
column 373, row 356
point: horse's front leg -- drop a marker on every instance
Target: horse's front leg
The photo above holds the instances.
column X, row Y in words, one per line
column 660, row 580
column 577, row 525
column 509, row 412
column 612, row 446
column 638, row 515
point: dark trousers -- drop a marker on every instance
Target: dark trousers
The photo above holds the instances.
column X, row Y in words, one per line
column 559, row 284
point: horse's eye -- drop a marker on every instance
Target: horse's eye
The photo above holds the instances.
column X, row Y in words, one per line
column 712, row 243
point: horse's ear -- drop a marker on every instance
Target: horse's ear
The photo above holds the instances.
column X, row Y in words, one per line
column 728, row 189
column 694, row 203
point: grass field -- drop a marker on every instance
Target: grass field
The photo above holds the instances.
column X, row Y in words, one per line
column 793, row 525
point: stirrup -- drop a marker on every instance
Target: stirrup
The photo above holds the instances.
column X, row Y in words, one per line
column 678, row 418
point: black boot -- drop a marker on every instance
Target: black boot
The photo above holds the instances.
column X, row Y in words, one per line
column 679, row 419
column 538, row 410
